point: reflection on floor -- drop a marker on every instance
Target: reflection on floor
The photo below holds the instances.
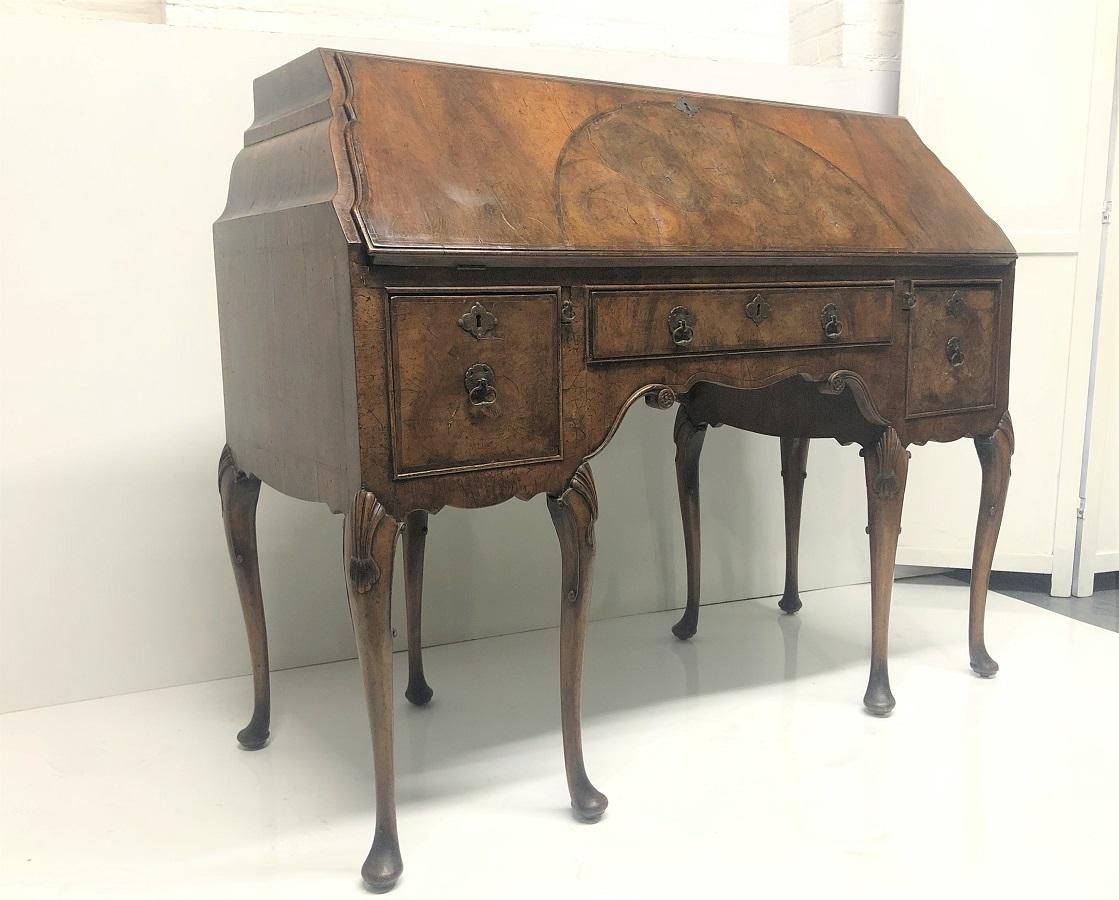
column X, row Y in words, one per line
column 1101, row 609
column 737, row 764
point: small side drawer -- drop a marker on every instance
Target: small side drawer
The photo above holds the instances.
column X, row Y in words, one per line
column 953, row 347
column 475, row 381
column 631, row 323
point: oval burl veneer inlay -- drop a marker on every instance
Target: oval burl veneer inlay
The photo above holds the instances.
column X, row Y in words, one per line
column 651, row 175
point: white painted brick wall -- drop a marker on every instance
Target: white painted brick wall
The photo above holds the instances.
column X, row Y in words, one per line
column 864, row 34
column 860, row 33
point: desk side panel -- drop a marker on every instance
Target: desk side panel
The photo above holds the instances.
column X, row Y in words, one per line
column 284, row 306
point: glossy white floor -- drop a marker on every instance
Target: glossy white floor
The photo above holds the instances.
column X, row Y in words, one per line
column 739, row 764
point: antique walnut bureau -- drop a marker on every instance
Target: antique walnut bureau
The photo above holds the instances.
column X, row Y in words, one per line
column 442, row 285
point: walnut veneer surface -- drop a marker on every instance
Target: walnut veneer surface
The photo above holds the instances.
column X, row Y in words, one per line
column 441, row 285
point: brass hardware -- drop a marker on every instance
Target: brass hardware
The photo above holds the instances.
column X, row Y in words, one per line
column 660, row 399
column 908, row 300
column 477, row 321
column 758, row 309
column 955, row 305
column 680, row 322
column 479, row 383
column 955, row 352
column 567, row 312
column 684, row 105
column 829, row 322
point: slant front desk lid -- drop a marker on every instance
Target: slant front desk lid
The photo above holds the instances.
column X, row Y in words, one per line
column 448, row 160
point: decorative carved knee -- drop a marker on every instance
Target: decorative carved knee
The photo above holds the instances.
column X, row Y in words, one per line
column 573, row 514
column 370, row 539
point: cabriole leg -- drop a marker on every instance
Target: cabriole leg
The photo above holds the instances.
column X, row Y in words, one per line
column 689, row 442
column 886, row 464
column 239, row 492
column 415, row 539
column 794, row 463
column 573, row 515
column 994, row 452
column 370, row 539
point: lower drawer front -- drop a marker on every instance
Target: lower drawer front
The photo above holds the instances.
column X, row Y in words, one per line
column 475, row 381
column 632, row 323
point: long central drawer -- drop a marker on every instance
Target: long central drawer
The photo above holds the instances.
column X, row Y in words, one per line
column 629, row 323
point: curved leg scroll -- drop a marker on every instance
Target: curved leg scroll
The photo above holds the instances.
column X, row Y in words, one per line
column 794, row 462
column 994, row 452
column 689, row 442
column 239, row 492
column 370, row 539
column 886, row 464
column 573, row 515
column 415, row 539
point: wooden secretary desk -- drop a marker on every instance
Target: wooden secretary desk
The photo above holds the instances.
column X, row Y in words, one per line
column 442, row 285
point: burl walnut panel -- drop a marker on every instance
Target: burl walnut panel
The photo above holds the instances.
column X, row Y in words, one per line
column 442, row 285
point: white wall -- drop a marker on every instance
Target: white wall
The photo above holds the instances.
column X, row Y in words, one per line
column 859, row 33
column 116, row 146
column 1024, row 125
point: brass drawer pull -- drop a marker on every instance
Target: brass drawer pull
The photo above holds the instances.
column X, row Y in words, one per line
column 479, row 384
column 757, row 310
column 955, row 352
column 829, row 322
column 680, row 322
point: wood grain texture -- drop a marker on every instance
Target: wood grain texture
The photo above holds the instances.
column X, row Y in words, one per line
column 437, row 426
column 369, row 545
column 440, row 285
column 453, row 157
column 595, row 396
column 886, row 463
column 573, row 514
column 966, row 314
column 634, row 323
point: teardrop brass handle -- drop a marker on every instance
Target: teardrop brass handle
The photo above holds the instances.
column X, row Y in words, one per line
column 680, row 322
column 830, row 323
column 954, row 351
column 479, row 383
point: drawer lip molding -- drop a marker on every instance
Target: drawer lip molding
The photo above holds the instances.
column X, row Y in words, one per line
column 442, row 309
column 732, row 300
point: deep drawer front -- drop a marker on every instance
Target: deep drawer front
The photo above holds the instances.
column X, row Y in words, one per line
column 953, row 347
column 475, row 381
column 628, row 323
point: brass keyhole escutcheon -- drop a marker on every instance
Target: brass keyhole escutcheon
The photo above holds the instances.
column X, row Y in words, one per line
column 830, row 323
column 478, row 322
column 955, row 305
column 758, row 310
